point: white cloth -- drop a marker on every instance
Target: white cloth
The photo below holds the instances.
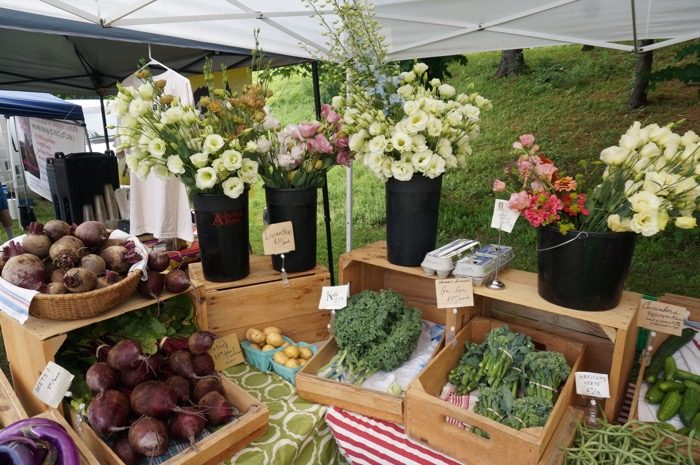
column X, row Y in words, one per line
column 161, row 206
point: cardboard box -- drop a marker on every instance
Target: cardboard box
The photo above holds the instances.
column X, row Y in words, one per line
column 425, row 414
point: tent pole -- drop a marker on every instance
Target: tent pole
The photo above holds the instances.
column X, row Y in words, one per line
column 324, row 188
column 104, row 120
column 634, row 27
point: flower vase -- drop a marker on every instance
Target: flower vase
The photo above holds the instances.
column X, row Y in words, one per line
column 411, row 218
column 297, row 205
column 583, row 270
column 222, row 231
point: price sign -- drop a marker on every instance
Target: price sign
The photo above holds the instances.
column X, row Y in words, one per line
column 226, row 352
column 334, row 297
column 278, row 238
column 661, row 317
column 592, row 384
column 52, row 385
column 503, row 217
column 454, row 293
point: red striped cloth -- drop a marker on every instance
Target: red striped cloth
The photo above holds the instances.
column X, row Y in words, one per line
column 369, row 441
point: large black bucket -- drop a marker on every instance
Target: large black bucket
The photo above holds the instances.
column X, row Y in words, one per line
column 583, row 270
column 222, row 230
column 299, row 207
column 411, row 218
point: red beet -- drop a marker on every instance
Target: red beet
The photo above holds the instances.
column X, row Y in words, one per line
column 94, row 263
column 125, row 354
column 177, row 281
column 108, row 411
column 36, row 242
column 181, row 386
column 66, row 252
column 217, row 409
column 125, row 452
column 187, row 425
column 132, row 377
column 148, row 437
column 79, row 280
column 152, row 287
column 25, row 270
column 92, row 233
column 101, row 352
column 153, row 398
column 56, row 288
column 181, row 363
column 119, row 258
column 201, row 341
column 158, row 261
column 205, row 386
column 100, row 377
column 203, row 364
column 56, row 229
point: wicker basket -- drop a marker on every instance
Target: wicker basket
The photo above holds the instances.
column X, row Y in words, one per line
column 84, row 304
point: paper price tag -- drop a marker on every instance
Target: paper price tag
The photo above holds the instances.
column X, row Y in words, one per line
column 52, row 385
column 661, row 317
column 226, row 352
column 334, row 297
column 454, row 293
column 278, row 238
column 592, row 384
column 503, row 217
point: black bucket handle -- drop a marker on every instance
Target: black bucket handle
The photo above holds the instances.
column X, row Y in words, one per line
column 580, row 235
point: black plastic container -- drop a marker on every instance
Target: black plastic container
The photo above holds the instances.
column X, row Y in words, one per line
column 583, row 270
column 299, row 207
column 411, row 218
column 222, row 231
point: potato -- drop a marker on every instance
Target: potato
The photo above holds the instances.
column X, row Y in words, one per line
column 291, row 351
column 254, row 346
column 286, row 344
column 305, row 353
column 291, row 363
column 274, row 339
column 280, row 358
column 302, row 362
column 272, row 329
column 255, row 335
column 267, row 347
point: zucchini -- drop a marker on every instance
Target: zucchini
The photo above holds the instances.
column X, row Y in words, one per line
column 668, row 347
column 670, row 368
column 683, row 375
column 691, row 384
column 669, row 406
column 655, row 395
column 668, row 386
column 690, row 405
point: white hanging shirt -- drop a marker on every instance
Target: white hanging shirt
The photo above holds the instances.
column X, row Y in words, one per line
column 161, row 206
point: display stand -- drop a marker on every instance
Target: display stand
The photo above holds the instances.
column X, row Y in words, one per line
column 610, row 336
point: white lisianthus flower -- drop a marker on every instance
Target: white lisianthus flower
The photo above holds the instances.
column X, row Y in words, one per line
column 357, row 141
column 373, row 161
column 450, row 161
column 190, row 117
column 416, row 122
column 436, row 166
column 643, row 201
column 132, row 161
column 671, row 138
column 614, row 155
column 161, row 171
column 337, row 102
column 263, row 145
column 404, row 91
column 138, row 107
column 471, row 112
column 172, row 115
column 443, row 147
column 434, row 127
column 641, row 165
column 118, row 107
column 146, row 91
column 350, row 115
column 143, row 169
column 213, row 143
column 690, row 138
column 377, row 144
column 199, row 159
column 645, row 223
column 446, row 91
column 689, row 151
column 419, row 143
column 375, row 129
column 251, row 147
column 270, row 122
column 435, row 82
column 407, row 77
column 248, row 171
column 656, row 183
column 482, row 102
column 232, row 159
column 686, row 186
column 175, row 164
column 410, row 107
column 401, row 170
column 401, row 141
column 616, row 224
column 205, row 178
column 157, row 147
column 421, row 160
column 686, row 222
column 233, row 187
column 420, row 68
column 454, row 118
column 650, row 150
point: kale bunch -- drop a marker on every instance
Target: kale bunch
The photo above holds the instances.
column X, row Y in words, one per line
column 375, row 331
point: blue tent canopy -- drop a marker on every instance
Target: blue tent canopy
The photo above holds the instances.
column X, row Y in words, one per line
column 38, row 105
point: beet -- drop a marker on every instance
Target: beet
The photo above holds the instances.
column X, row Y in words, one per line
column 55, row 289
column 153, row 286
column 125, row 452
column 56, row 229
column 132, row 377
column 171, row 344
column 187, row 425
column 148, row 437
column 201, row 341
column 79, row 280
column 181, row 363
column 153, row 398
column 109, row 278
column 66, row 252
column 203, row 364
column 94, row 263
column 25, row 270
column 181, row 387
column 177, row 281
column 92, row 233
column 125, row 354
column 217, row 409
column 36, row 242
column 158, row 261
column 101, row 352
column 100, row 377
column 108, row 411
column 119, row 258
column 57, row 276
column 205, row 386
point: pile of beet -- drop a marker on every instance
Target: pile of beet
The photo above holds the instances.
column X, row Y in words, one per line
column 142, row 401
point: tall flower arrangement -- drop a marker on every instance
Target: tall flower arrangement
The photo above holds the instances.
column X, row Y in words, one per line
column 211, row 146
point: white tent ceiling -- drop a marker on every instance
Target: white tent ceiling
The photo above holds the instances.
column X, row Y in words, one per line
column 414, row 28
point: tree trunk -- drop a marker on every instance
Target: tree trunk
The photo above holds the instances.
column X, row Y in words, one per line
column 512, row 63
column 638, row 96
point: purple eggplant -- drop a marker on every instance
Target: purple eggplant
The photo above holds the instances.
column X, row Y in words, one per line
column 16, row 428
column 16, row 452
column 59, row 439
column 41, row 430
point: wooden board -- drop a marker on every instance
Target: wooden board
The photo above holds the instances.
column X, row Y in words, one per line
column 212, row 449
column 563, row 438
column 11, row 409
column 425, row 412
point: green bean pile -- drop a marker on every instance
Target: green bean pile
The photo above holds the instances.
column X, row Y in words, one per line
column 635, row 443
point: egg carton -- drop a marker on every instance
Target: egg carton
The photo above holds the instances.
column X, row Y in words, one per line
column 442, row 261
column 481, row 265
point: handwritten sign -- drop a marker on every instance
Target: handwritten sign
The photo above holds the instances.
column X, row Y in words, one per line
column 278, row 238
column 334, row 297
column 226, row 352
column 503, row 217
column 454, row 293
column 592, row 384
column 53, row 384
column 661, row 317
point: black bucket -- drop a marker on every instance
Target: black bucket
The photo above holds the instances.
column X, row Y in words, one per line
column 299, row 207
column 583, row 270
column 222, row 230
column 411, row 218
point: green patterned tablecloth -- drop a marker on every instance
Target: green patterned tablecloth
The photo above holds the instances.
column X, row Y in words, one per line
column 297, row 434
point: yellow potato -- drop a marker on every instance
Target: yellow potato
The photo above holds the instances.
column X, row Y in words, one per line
column 275, row 339
column 291, row 363
column 305, row 353
column 255, row 335
column 280, row 358
column 285, row 344
column 272, row 329
column 302, row 362
column 254, row 346
column 267, row 347
column 291, row 351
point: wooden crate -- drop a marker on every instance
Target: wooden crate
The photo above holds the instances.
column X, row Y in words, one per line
column 261, row 299
column 610, row 335
column 222, row 444
column 30, row 346
column 426, row 413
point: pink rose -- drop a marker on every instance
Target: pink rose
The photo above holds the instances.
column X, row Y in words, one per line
column 527, row 140
column 536, row 186
column 319, row 144
column 519, row 200
column 329, row 114
column 341, row 142
column 308, row 129
column 498, row 185
column 343, row 158
column 546, row 170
